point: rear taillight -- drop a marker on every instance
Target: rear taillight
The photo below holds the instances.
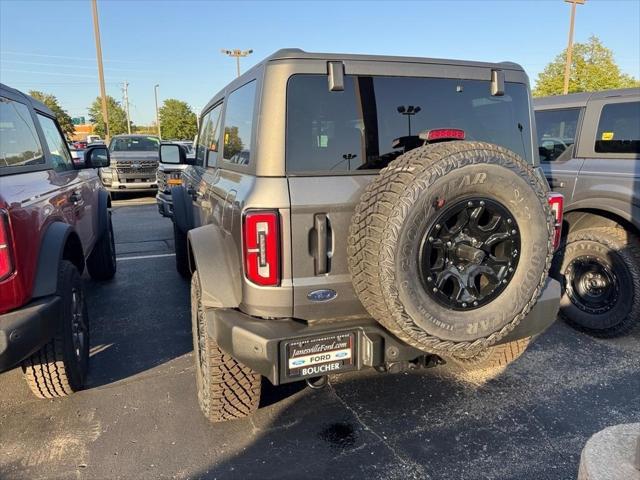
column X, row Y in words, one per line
column 261, row 247
column 6, row 253
column 556, row 202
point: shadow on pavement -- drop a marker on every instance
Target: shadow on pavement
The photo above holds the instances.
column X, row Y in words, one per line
column 139, row 320
column 529, row 421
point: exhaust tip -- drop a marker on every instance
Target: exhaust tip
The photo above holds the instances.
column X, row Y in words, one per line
column 317, row 383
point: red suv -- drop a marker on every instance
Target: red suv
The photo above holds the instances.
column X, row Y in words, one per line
column 55, row 220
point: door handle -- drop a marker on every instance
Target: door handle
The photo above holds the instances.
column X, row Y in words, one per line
column 320, row 243
column 556, row 183
column 75, row 197
column 193, row 192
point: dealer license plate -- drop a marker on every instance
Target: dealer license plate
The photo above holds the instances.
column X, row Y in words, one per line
column 316, row 356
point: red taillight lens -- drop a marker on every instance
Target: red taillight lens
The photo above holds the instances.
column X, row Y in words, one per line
column 556, row 202
column 442, row 134
column 261, row 247
column 6, row 254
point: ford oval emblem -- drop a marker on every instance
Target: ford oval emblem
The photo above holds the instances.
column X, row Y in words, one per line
column 324, row 295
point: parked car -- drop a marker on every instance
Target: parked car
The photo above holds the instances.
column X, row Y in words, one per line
column 134, row 164
column 590, row 151
column 343, row 234
column 55, row 220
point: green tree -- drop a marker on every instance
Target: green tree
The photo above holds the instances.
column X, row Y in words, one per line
column 117, row 117
column 177, row 120
column 592, row 68
column 66, row 124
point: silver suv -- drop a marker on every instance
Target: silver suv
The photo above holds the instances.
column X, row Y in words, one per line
column 350, row 211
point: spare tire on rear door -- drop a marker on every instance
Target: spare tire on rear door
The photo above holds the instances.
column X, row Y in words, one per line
column 451, row 244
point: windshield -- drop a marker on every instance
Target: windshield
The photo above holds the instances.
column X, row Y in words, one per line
column 376, row 119
column 134, row 144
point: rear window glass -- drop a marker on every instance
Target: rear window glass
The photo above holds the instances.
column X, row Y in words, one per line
column 374, row 119
column 238, row 124
column 135, row 144
column 19, row 144
column 619, row 128
column 556, row 133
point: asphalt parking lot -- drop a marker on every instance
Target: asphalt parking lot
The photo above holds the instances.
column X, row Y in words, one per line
column 138, row 417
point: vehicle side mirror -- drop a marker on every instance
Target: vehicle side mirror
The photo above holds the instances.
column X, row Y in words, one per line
column 96, row 156
column 173, row 154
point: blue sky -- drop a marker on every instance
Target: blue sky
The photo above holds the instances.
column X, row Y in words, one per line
column 49, row 45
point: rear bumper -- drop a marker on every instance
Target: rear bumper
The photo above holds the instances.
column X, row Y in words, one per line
column 165, row 205
column 24, row 331
column 258, row 343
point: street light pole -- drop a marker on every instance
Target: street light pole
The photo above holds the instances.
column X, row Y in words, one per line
column 409, row 111
column 237, row 54
column 567, row 66
column 155, row 88
column 103, row 92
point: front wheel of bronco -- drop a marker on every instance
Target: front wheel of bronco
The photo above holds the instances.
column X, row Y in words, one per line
column 227, row 389
column 102, row 264
column 600, row 271
column 60, row 367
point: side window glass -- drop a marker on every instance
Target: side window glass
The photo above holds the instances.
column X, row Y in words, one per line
column 57, row 146
column 208, row 148
column 238, row 125
column 556, row 133
column 19, row 144
column 619, row 128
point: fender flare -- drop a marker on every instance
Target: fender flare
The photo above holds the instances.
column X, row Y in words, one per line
column 215, row 258
column 182, row 210
column 104, row 204
column 49, row 258
column 625, row 211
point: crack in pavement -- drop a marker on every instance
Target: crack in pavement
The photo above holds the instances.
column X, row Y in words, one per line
column 406, row 462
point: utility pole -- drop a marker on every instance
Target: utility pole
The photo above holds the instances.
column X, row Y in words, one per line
column 567, row 66
column 237, row 53
column 125, row 91
column 155, row 88
column 103, row 92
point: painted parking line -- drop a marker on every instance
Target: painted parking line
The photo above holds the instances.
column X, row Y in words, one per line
column 142, row 257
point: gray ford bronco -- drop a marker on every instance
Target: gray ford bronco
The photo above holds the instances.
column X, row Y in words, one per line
column 590, row 151
column 351, row 211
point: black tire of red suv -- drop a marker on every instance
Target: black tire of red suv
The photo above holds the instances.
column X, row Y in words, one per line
column 182, row 254
column 496, row 356
column 60, row 367
column 102, row 264
column 227, row 389
column 392, row 228
column 600, row 272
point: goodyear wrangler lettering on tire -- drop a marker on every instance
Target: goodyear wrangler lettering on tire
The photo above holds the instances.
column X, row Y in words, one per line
column 450, row 245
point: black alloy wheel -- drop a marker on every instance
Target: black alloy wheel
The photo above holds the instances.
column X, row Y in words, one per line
column 591, row 285
column 469, row 254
